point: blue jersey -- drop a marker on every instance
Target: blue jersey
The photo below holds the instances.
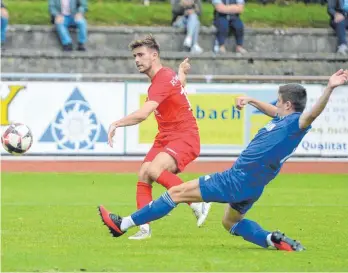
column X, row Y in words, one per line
column 262, row 160
column 242, row 185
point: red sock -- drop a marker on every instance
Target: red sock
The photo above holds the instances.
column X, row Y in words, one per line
column 144, row 194
column 168, row 180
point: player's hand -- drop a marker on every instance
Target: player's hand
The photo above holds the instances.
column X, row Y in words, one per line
column 185, row 66
column 339, row 78
column 241, row 102
column 111, row 134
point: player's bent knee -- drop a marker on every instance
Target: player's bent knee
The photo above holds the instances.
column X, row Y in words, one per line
column 154, row 171
column 176, row 193
column 144, row 177
column 228, row 223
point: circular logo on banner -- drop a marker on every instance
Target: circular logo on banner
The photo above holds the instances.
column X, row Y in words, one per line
column 76, row 126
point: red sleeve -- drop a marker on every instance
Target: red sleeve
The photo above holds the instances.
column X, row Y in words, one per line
column 160, row 89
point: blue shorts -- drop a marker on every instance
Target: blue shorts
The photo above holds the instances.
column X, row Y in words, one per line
column 225, row 187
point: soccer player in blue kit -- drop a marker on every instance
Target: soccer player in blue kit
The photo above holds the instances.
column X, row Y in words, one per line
column 242, row 185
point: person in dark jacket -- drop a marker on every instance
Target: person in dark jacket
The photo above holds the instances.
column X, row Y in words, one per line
column 338, row 11
column 227, row 18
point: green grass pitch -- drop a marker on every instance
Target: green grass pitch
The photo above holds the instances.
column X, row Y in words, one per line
column 50, row 223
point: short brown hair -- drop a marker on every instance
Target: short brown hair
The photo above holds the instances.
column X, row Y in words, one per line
column 148, row 41
column 296, row 94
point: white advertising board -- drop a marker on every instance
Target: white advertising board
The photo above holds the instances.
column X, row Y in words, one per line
column 73, row 118
column 65, row 117
column 225, row 131
column 329, row 134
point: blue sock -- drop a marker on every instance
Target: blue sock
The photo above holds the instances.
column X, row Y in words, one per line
column 155, row 210
column 251, row 232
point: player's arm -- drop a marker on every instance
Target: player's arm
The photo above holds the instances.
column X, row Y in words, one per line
column 184, row 68
column 138, row 115
column 266, row 108
column 337, row 79
column 132, row 119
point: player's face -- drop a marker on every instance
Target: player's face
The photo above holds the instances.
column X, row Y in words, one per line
column 283, row 108
column 143, row 58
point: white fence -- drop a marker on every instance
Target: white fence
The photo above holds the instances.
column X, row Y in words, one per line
column 72, row 117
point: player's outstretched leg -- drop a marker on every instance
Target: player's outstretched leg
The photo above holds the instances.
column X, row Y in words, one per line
column 119, row 225
column 254, row 233
column 112, row 221
column 234, row 222
column 187, row 192
column 282, row 242
column 200, row 209
column 162, row 170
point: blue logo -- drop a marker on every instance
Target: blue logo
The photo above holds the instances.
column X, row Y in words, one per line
column 76, row 126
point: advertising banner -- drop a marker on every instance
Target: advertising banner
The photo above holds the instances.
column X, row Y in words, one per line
column 225, row 130
column 329, row 134
column 65, row 117
column 73, row 118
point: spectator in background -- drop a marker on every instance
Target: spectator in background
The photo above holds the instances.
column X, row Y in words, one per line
column 69, row 13
column 185, row 15
column 4, row 22
column 338, row 11
column 227, row 18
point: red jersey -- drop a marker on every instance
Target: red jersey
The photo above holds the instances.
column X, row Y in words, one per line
column 173, row 114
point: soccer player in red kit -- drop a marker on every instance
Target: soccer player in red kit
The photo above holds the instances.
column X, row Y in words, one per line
column 177, row 142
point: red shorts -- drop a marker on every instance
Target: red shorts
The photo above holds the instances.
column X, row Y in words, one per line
column 184, row 149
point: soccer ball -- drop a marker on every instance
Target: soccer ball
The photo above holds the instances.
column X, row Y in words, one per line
column 17, row 139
